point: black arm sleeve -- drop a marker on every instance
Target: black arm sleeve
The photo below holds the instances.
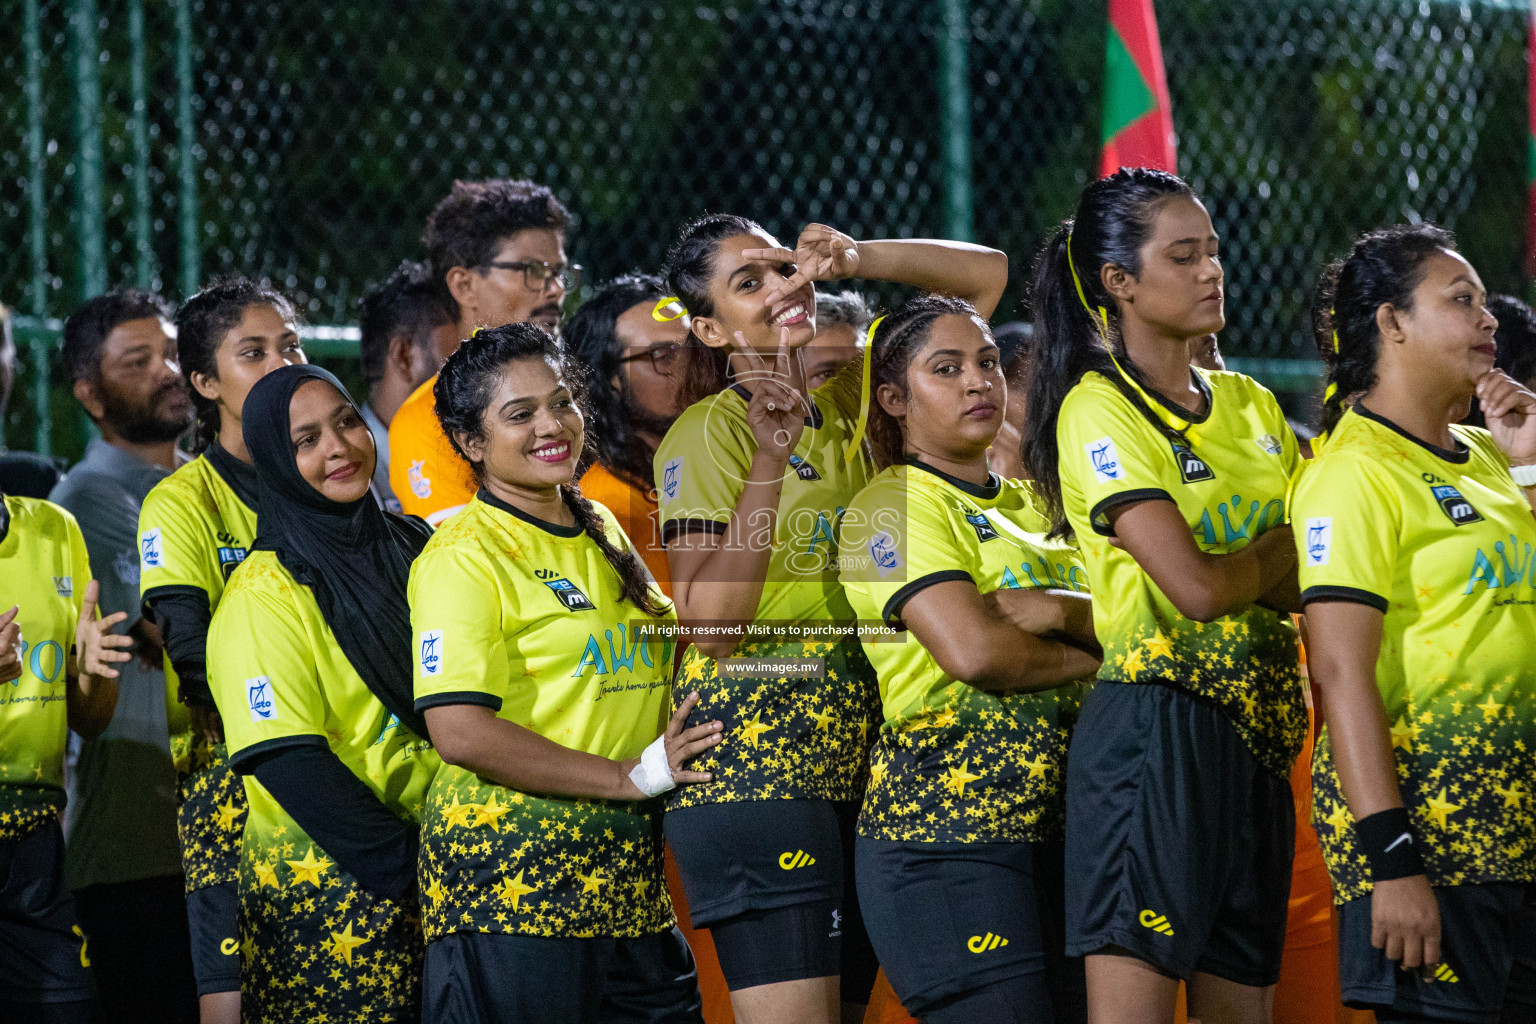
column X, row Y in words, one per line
column 183, row 616
column 342, row 815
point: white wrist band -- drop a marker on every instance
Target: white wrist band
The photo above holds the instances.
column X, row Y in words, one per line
column 1525, row 476
column 653, row 775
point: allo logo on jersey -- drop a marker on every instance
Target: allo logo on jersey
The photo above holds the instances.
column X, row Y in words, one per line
column 1457, row 508
column 984, row 943
column 151, row 555
column 672, row 479
column 64, row 586
column 1270, row 443
column 982, row 526
column 882, row 549
column 1191, row 466
column 804, row 470
column 432, row 652
column 570, row 595
column 799, row 859
column 421, row 484
column 261, row 699
column 1444, row 973
column 1157, row 922
column 1105, row 460
column 1319, row 539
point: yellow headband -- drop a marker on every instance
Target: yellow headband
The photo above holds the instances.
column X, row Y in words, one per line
column 1101, row 323
column 863, row 424
column 1331, row 390
column 668, row 309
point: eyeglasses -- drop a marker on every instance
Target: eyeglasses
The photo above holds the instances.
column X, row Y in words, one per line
column 537, row 273
column 663, row 357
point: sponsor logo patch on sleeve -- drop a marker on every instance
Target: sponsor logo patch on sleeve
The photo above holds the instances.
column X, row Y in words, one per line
column 1319, row 539
column 431, row 652
column 261, row 698
column 150, row 552
column 1105, row 460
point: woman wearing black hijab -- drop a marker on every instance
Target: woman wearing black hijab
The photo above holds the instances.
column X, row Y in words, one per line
column 309, row 661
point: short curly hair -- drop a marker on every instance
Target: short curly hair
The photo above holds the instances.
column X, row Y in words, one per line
column 467, row 226
column 86, row 330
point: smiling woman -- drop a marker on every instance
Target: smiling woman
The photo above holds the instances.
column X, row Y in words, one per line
column 549, row 702
column 309, row 653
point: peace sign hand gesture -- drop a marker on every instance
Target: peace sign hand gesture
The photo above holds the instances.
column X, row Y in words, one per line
column 822, row 253
column 776, row 414
column 97, row 648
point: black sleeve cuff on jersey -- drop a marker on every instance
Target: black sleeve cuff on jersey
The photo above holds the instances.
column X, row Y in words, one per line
column 342, row 815
column 892, row 611
column 183, row 614
column 442, row 700
column 246, row 759
column 1123, row 498
column 673, row 528
column 1351, row 594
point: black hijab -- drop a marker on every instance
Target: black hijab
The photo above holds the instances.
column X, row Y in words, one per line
column 354, row 557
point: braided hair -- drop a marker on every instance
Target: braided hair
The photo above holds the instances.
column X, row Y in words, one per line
column 465, row 387
column 201, row 324
column 1115, row 217
column 1383, row 268
column 898, row 339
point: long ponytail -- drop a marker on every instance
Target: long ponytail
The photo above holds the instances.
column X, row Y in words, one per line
column 1076, row 319
column 633, row 577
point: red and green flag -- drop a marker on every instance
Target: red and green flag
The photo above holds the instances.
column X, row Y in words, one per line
column 1530, row 148
column 1138, row 120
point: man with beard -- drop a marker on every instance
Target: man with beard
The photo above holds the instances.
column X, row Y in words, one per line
column 122, row 858
column 496, row 251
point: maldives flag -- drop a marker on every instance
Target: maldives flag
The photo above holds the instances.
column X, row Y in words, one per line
column 1530, row 149
column 1138, row 120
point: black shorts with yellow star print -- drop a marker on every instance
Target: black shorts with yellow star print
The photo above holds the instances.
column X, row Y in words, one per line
column 1180, row 841
column 210, row 821
column 1487, row 969
column 316, row 946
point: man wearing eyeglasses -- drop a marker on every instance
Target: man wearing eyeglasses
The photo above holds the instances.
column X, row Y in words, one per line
column 496, row 248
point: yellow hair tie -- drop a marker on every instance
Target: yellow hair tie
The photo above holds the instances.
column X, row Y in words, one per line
column 668, row 309
column 476, row 331
column 863, row 425
column 1328, row 392
column 1101, row 322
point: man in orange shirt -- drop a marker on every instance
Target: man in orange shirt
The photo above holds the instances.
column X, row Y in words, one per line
column 496, row 248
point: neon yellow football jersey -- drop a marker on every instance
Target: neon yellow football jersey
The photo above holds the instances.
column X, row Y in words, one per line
column 43, row 572
column 955, row 764
column 1229, row 482
column 528, row 618
column 194, row 531
column 1440, row 542
column 786, row 737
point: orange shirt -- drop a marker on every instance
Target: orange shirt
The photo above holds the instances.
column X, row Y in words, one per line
column 635, row 511
column 425, row 472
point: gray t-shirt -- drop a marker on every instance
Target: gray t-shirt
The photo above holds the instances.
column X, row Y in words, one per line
column 120, row 818
column 380, row 432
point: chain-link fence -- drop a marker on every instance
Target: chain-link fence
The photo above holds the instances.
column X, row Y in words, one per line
column 167, row 141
